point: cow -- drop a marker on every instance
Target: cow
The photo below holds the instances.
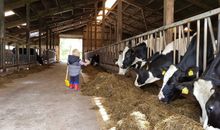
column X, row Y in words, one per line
column 157, row 67
column 185, row 70
column 95, row 60
column 131, row 55
column 206, row 90
column 119, row 63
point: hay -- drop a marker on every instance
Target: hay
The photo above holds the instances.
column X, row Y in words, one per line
column 135, row 121
column 122, row 98
column 177, row 122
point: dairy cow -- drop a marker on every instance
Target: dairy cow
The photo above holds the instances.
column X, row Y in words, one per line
column 185, row 70
column 156, row 68
column 206, row 90
column 131, row 55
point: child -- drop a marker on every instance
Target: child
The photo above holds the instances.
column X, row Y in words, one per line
column 74, row 64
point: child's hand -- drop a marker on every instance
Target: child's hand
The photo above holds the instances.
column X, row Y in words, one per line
column 87, row 61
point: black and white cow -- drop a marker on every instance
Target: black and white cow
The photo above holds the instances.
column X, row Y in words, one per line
column 156, row 68
column 185, row 70
column 95, row 60
column 206, row 90
column 130, row 56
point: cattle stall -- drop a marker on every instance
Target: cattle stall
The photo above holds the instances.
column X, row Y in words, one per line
column 156, row 38
column 16, row 53
column 200, row 26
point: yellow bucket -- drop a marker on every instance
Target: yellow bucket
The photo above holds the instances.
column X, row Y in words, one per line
column 67, row 83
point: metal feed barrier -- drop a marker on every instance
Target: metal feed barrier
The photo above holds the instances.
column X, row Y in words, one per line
column 16, row 56
column 156, row 38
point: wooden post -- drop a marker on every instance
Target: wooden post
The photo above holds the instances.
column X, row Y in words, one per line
column 87, row 38
column 119, row 21
column 103, row 23
column 28, row 31
column 53, row 40
column 2, row 32
column 110, row 29
column 91, row 38
column 50, row 38
column 47, row 36
column 40, row 31
column 168, row 17
column 95, row 32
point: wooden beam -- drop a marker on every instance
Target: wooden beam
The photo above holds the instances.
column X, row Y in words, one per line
column 103, row 22
column 40, row 31
column 17, row 4
column 44, row 4
column 181, row 9
column 70, row 25
column 2, row 34
column 200, row 4
column 119, row 20
column 28, row 31
column 95, row 32
column 168, row 17
column 52, row 11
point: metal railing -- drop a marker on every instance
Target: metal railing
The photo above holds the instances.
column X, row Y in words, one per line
column 12, row 57
column 156, row 38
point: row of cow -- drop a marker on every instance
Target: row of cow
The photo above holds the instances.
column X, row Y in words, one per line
column 180, row 78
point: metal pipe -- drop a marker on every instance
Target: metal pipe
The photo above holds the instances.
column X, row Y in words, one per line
column 179, row 43
column 212, row 35
column 174, row 46
column 218, row 44
column 198, row 46
column 205, row 44
column 188, row 35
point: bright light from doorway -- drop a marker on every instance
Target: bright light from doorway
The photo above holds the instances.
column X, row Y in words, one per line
column 108, row 5
column 24, row 24
column 67, row 45
column 9, row 13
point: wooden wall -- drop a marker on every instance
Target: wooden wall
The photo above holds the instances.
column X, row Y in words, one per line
column 91, row 43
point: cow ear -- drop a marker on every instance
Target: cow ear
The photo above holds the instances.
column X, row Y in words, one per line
column 192, row 71
column 185, row 87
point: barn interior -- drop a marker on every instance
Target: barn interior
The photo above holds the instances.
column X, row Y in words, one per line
column 33, row 91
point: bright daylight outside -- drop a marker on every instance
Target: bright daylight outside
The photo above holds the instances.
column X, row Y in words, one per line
column 67, row 45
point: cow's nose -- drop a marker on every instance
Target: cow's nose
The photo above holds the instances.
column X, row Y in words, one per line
column 164, row 100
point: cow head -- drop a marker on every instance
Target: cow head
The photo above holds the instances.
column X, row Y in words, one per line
column 119, row 63
column 128, row 57
column 213, row 110
column 145, row 76
column 170, row 88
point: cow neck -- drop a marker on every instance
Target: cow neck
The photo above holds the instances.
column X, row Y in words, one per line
column 213, row 73
column 141, row 50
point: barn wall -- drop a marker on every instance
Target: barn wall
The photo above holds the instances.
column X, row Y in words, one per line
column 89, row 43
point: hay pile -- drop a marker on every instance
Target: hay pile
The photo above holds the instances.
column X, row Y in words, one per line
column 122, row 99
column 177, row 122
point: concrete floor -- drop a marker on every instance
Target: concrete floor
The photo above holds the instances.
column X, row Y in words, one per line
column 40, row 101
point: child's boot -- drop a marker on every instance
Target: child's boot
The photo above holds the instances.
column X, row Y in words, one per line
column 72, row 86
column 77, row 87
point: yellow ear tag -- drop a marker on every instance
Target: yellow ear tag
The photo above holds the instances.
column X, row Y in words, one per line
column 163, row 72
column 190, row 73
column 185, row 91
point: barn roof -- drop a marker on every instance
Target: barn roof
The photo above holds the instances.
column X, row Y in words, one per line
column 67, row 15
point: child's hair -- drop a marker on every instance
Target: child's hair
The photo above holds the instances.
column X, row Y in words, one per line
column 75, row 52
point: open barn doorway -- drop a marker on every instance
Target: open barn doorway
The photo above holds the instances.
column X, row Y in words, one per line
column 67, row 45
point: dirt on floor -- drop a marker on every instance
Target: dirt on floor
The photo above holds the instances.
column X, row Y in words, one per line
column 133, row 108
column 20, row 74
